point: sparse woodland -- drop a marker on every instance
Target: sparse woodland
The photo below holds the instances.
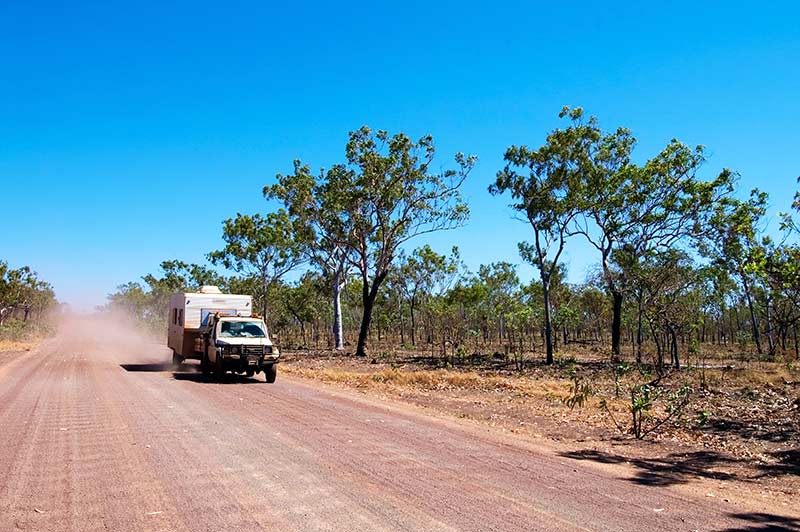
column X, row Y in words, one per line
column 688, row 284
column 25, row 301
column 682, row 263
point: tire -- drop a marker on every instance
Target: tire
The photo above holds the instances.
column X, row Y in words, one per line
column 219, row 369
column 177, row 360
column 205, row 364
column 270, row 373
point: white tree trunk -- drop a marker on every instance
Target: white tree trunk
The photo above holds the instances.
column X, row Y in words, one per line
column 338, row 335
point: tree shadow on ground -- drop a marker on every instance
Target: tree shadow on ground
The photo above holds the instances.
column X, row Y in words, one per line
column 788, row 463
column 749, row 430
column 672, row 469
column 680, row 468
column 764, row 522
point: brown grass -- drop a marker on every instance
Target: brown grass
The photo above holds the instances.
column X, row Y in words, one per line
column 18, row 345
column 433, row 380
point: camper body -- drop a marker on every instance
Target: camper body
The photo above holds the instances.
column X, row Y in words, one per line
column 222, row 332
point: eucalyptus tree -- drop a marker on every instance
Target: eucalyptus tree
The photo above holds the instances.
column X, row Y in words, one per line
column 671, row 285
column 264, row 247
column 468, row 297
column 637, row 208
column 180, row 276
column 21, row 289
column 594, row 310
column 423, row 275
column 781, row 269
column 542, row 183
column 305, row 300
column 319, row 219
column 733, row 244
column 133, row 300
column 502, row 288
column 148, row 302
column 778, row 264
column 388, row 195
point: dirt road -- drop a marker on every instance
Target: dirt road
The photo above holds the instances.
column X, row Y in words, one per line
column 100, row 434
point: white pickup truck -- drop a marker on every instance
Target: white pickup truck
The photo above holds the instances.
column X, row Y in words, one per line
column 222, row 332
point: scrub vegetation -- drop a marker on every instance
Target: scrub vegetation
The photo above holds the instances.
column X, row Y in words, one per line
column 26, row 305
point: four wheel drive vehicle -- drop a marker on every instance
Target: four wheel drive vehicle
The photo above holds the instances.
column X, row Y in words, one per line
column 222, row 332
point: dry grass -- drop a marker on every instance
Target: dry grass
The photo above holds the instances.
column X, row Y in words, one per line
column 434, row 380
column 18, row 345
column 775, row 375
column 741, row 407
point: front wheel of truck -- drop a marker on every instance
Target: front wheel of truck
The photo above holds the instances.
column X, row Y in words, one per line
column 177, row 360
column 271, row 372
column 219, row 369
column 205, row 365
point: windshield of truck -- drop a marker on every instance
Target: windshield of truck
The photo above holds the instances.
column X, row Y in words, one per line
column 241, row 329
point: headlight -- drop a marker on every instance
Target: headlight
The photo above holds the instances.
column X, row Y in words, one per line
column 235, row 349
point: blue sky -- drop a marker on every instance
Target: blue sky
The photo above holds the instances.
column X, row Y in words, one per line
column 128, row 132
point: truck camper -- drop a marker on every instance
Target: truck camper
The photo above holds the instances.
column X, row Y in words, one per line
column 222, row 331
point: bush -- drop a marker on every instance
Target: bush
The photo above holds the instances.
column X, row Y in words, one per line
column 18, row 330
column 645, row 416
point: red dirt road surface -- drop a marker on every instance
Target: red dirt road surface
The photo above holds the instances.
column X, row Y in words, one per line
column 99, row 433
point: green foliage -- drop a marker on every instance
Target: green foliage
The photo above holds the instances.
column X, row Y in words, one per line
column 262, row 247
column 16, row 329
column 580, row 392
column 619, row 370
column 642, row 408
column 352, row 222
column 388, row 195
column 358, row 213
column 148, row 302
column 23, row 295
column 543, row 183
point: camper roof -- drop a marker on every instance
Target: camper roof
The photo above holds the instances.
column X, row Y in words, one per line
column 209, row 289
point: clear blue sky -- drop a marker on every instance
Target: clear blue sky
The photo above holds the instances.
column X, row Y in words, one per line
column 128, row 132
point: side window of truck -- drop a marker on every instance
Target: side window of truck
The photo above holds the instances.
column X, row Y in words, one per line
column 174, row 316
column 180, row 317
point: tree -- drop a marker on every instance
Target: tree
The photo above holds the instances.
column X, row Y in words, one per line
column 178, row 276
column 149, row 303
column 778, row 266
column 625, row 207
column 388, row 196
column 318, row 219
column 303, row 300
column 469, row 297
column 502, row 287
column 781, row 270
column 542, row 183
column 22, row 290
column 733, row 245
column 425, row 274
column 263, row 247
column 669, row 282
